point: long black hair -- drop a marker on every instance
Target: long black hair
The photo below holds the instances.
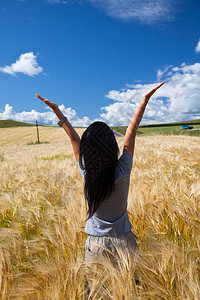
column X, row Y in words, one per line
column 98, row 157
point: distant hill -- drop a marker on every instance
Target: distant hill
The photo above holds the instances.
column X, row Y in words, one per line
column 11, row 123
column 165, row 128
column 192, row 122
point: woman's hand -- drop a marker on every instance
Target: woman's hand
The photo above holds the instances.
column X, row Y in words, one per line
column 148, row 95
column 73, row 135
column 129, row 141
column 49, row 103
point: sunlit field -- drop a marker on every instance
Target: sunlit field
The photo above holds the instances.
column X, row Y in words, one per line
column 28, row 135
column 42, row 219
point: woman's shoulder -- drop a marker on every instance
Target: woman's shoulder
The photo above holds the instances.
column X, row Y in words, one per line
column 125, row 163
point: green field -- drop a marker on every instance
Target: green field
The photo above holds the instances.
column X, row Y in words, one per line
column 11, row 123
column 154, row 129
column 165, row 129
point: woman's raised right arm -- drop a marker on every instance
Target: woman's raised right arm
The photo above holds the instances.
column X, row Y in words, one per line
column 129, row 141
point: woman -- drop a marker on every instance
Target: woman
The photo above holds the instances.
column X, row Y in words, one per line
column 106, row 182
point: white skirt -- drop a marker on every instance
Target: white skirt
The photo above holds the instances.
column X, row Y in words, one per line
column 113, row 247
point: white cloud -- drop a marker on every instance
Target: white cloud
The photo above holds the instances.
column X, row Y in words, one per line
column 47, row 118
column 146, row 11
column 177, row 100
column 26, row 64
column 197, row 49
column 160, row 73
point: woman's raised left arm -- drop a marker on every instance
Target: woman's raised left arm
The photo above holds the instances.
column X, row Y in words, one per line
column 73, row 135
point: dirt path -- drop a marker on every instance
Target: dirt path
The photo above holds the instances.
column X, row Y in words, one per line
column 117, row 133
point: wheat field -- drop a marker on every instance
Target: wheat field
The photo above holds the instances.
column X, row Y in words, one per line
column 42, row 219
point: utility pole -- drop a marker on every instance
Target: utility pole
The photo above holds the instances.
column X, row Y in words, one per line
column 38, row 139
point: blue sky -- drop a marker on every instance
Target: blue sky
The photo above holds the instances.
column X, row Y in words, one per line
column 96, row 58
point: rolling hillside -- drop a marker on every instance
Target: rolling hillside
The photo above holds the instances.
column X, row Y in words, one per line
column 11, row 123
column 165, row 129
column 13, row 132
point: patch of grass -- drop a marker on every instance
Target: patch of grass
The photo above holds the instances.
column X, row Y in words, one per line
column 186, row 132
column 6, row 218
column 170, row 129
column 120, row 129
column 161, row 130
column 11, row 123
column 36, row 143
column 58, row 156
column 157, row 130
column 1, row 157
column 29, row 230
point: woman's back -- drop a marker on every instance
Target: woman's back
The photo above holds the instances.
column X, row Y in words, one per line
column 111, row 217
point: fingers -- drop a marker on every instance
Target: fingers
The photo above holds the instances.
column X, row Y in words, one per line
column 157, row 87
column 153, row 90
column 41, row 98
column 160, row 84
